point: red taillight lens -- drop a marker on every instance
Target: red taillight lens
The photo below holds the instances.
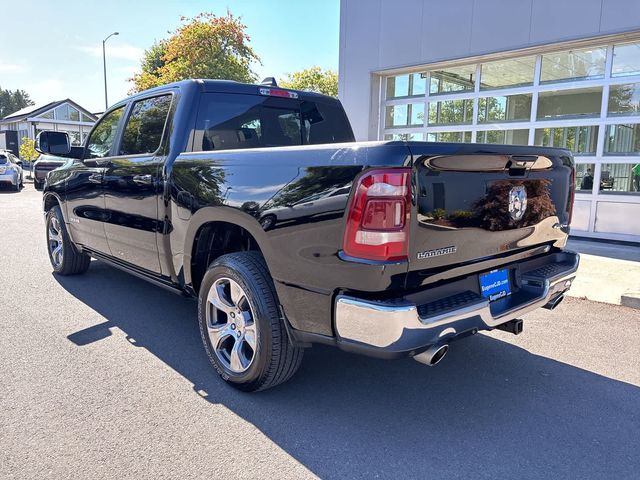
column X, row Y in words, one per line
column 378, row 218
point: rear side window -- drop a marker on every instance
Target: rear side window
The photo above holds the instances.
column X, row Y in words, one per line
column 232, row 121
column 3, row 159
column 143, row 130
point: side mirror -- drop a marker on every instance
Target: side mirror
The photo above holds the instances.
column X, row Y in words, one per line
column 53, row 143
column 19, row 162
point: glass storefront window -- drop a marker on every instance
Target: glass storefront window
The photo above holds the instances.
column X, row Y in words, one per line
column 453, row 80
column 405, row 137
column 455, row 137
column 584, row 177
column 451, row 112
column 580, row 140
column 86, row 119
column 406, row 115
column 626, row 60
column 620, row 178
column 624, row 99
column 409, row 85
column 507, row 137
column 581, row 102
column 622, row 140
column 582, row 64
column 504, row 108
column 516, row 72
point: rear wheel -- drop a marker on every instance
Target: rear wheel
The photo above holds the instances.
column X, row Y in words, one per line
column 63, row 254
column 243, row 334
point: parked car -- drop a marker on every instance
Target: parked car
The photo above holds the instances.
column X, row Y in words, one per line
column 432, row 242
column 318, row 203
column 43, row 165
column 11, row 170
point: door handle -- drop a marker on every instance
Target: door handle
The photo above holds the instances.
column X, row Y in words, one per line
column 143, row 179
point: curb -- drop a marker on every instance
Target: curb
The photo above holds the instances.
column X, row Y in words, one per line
column 631, row 299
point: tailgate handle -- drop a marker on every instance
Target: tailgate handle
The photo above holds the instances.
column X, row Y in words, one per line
column 519, row 164
column 524, row 158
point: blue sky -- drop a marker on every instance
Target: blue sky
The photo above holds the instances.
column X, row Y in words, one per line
column 57, row 52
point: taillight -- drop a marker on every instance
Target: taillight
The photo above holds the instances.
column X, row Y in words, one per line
column 378, row 217
column 572, row 194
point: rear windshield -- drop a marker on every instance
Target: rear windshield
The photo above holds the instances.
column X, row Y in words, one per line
column 231, row 121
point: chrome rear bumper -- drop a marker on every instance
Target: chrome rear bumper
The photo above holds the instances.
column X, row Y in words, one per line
column 403, row 326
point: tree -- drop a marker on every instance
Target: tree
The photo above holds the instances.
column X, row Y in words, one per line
column 205, row 46
column 314, row 79
column 28, row 149
column 13, row 100
column 150, row 66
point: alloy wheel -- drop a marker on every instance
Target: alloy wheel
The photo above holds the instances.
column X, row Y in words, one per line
column 55, row 242
column 231, row 325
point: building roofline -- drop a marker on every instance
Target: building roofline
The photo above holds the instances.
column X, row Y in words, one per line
column 45, row 108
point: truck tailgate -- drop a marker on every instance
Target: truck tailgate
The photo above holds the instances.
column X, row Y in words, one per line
column 476, row 202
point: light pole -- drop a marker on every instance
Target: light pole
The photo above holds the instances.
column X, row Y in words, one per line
column 104, row 66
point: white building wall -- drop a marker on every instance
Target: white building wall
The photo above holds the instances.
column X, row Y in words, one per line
column 377, row 35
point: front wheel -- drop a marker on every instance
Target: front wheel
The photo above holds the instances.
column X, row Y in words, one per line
column 63, row 254
column 243, row 334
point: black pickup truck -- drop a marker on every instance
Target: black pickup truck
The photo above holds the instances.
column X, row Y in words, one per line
column 257, row 201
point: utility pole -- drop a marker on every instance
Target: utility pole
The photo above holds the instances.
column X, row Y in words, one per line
column 104, row 66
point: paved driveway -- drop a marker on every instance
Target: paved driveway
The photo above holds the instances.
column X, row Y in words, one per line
column 103, row 376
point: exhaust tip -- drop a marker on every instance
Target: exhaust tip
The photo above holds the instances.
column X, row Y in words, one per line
column 439, row 355
column 553, row 303
column 433, row 355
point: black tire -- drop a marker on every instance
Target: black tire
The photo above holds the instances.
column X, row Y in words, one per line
column 268, row 222
column 276, row 359
column 73, row 262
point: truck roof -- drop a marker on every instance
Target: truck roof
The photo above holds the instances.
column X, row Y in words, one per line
column 228, row 86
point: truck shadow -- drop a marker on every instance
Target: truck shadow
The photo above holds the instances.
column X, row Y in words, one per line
column 489, row 410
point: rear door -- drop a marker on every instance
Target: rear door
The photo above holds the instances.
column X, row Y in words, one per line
column 474, row 202
column 132, row 184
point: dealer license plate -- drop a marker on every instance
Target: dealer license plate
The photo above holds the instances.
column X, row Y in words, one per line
column 495, row 284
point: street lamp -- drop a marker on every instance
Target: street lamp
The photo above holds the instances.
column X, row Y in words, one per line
column 104, row 65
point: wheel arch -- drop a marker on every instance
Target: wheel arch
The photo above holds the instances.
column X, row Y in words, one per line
column 220, row 219
column 50, row 200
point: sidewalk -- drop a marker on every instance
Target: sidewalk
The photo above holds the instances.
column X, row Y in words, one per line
column 608, row 272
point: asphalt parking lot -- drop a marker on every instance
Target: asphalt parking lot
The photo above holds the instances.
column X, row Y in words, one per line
column 104, row 376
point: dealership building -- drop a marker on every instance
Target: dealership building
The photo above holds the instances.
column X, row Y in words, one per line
column 562, row 73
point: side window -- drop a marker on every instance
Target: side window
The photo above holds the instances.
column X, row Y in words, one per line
column 144, row 127
column 103, row 135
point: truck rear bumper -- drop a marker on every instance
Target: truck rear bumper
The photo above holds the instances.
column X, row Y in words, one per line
column 409, row 325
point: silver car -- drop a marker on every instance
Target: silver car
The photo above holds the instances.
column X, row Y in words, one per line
column 11, row 170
